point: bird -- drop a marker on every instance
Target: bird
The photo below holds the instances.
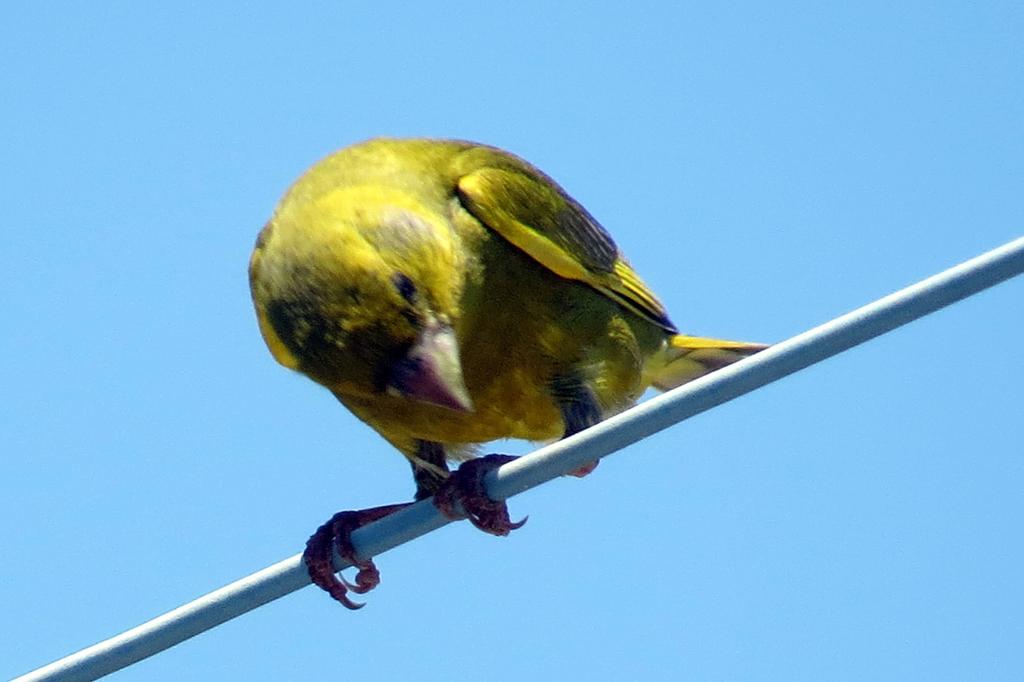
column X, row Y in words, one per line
column 449, row 294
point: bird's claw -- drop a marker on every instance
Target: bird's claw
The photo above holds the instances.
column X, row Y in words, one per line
column 464, row 488
column 338, row 532
column 462, row 495
column 585, row 470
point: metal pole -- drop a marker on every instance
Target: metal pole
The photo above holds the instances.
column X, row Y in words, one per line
column 556, row 459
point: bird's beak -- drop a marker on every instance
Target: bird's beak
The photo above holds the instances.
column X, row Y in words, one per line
column 432, row 372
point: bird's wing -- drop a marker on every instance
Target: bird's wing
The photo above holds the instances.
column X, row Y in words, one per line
column 533, row 213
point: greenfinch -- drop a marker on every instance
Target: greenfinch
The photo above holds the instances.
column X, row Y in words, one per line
column 449, row 294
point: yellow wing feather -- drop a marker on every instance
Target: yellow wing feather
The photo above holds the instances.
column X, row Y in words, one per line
column 536, row 216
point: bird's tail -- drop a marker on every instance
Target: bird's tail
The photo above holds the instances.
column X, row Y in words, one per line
column 685, row 358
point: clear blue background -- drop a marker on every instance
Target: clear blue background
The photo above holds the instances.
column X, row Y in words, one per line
column 765, row 167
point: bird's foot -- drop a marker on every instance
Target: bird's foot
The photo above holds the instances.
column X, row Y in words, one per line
column 582, row 471
column 465, row 487
column 338, row 532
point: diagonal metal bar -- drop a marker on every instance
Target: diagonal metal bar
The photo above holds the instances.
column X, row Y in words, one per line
column 556, row 459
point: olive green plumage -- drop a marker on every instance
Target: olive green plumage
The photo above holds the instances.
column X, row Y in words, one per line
column 449, row 293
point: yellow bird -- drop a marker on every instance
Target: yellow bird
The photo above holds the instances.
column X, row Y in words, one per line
column 449, row 293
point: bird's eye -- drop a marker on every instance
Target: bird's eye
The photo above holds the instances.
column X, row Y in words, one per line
column 405, row 286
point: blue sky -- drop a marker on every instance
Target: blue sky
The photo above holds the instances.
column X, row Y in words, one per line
column 765, row 168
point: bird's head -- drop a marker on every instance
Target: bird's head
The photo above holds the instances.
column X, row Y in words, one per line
column 358, row 288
